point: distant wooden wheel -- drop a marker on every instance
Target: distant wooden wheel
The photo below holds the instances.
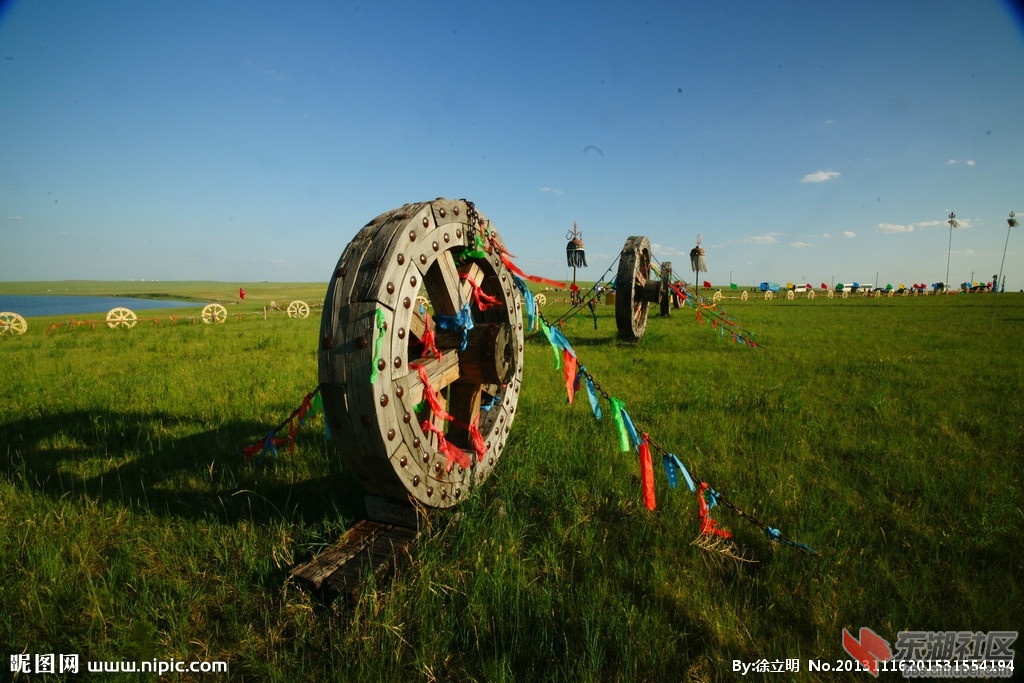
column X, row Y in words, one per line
column 124, row 318
column 892, row 293
column 540, row 300
column 634, row 288
column 214, row 313
column 717, row 296
column 744, row 296
column 811, row 294
column 298, row 309
column 790, row 295
column 769, row 295
column 421, row 303
column 12, row 324
column 831, row 294
column 846, row 294
column 373, row 359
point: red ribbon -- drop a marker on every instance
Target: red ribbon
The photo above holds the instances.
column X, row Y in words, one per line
column 707, row 525
column 482, row 299
column 429, row 344
column 569, row 363
column 451, row 451
column 533, row 278
column 430, row 394
column 647, row 475
column 478, row 441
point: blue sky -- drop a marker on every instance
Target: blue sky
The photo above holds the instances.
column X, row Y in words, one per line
column 249, row 141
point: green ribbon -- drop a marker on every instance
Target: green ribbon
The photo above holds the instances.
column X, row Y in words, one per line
column 551, row 340
column 381, row 328
column 618, row 408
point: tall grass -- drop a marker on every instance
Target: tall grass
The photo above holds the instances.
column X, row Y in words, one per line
column 885, row 433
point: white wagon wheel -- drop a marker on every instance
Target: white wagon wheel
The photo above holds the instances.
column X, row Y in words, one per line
column 374, row 357
column 124, row 318
column 634, row 288
column 214, row 313
column 717, row 296
column 540, row 300
column 744, row 296
column 298, row 309
column 791, row 295
column 831, row 294
column 769, row 295
column 12, row 324
column 811, row 294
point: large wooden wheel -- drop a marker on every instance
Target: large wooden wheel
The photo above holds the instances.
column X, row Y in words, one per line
column 214, row 314
column 373, row 358
column 634, row 288
column 12, row 324
column 120, row 317
column 298, row 309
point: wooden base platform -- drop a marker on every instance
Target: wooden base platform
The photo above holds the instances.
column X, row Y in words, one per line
column 372, row 546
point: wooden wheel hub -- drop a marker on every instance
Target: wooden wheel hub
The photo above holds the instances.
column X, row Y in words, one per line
column 375, row 352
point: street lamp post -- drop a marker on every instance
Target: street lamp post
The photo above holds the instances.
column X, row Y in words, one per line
column 1011, row 222
column 949, row 250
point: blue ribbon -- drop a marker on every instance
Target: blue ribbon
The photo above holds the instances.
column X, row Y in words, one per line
column 528, row 300
column 670, row 472
column 591, row 391
column 674, row 465
column 460, row 322
column 776, row 536
column 268, row 447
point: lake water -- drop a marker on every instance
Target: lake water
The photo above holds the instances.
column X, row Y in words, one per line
column 32, row 305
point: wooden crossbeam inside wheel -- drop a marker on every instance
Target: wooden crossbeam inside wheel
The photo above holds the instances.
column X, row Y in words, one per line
column 373, row 357
column 634, row 288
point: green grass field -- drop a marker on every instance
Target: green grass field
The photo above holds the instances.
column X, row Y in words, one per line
column 886, row 433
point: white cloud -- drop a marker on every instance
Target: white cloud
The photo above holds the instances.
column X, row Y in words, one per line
column 551, row 190
column 11, row 218
column 800, row 245
column 849, row 233
column 820, row 176
column 965, row 162
column 900, row 228
column 760, row 239
column 894, row 228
